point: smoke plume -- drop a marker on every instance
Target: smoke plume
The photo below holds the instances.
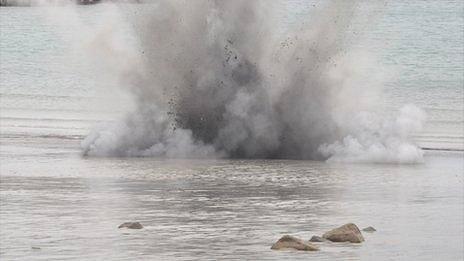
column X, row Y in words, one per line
column 213, row 78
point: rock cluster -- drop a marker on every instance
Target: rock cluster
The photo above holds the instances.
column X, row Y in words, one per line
column 346, row 233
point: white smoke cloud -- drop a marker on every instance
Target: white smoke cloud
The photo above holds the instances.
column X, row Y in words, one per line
column 212, row 79
column 378, row 140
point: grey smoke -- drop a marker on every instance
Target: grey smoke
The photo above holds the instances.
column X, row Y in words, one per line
column 214, row 79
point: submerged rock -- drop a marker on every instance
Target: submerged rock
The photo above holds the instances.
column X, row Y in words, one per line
column 131, row 225
column 369, row 229
column 346, row 233
column 287, row 242
column 317, row 239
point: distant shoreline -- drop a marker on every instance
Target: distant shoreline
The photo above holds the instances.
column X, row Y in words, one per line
column 78, row 2
column 36, row 2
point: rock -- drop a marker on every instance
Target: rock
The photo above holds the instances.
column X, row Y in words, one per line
column 287, row 241
column 131, row 225
column 317, row 239
column 369, row 229
column 346, row 233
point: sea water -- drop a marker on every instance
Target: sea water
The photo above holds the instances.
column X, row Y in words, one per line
column 57, row 205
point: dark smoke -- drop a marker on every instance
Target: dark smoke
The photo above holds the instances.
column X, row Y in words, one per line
column 216, row 80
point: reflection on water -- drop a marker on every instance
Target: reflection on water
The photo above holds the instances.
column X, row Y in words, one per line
column 70, row 208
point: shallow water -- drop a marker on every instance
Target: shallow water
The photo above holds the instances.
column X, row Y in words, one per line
column 56, row 205
column 70, row 207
